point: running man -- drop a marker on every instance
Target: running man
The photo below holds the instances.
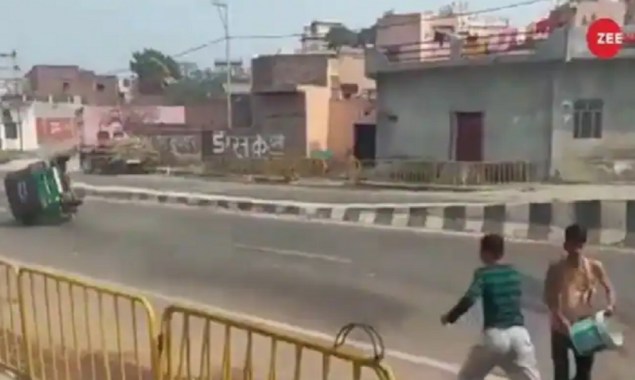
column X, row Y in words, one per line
column 570, row 284
column 506, row 342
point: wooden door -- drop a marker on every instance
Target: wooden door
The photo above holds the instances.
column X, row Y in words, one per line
column 468, row 139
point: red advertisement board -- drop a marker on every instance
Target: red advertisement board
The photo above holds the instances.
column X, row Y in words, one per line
column 53, row 130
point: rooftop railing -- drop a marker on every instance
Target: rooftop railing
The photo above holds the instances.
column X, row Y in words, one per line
column 505, row 43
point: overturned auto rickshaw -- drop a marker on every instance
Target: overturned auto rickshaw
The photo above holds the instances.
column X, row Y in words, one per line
column 41, row 192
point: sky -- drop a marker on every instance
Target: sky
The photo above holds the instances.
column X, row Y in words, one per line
column 101, row 35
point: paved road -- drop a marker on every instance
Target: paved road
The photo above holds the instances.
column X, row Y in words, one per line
column 317, row 276
column 275, row 192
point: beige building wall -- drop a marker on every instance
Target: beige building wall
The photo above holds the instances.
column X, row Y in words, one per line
column 317, row 117
column 305, row 91
column 350, row 68
column 343, row 114
column 330, row 122
column 399, row 29
column 410, row 35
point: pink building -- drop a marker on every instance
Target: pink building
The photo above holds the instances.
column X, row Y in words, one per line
column 113, row 120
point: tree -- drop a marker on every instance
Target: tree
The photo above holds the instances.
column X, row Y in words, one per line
column 196, row 88
column 339, row 37
column 367, row 36
column 154, row 69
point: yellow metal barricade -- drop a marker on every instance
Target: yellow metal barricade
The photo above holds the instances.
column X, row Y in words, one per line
column 77, row 330
column 198, row 344
column 12, row 347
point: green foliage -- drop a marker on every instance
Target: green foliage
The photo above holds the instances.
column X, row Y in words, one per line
column 367, row 36
column 159, row 73
column 154, row 70
column 197, row 87
column 339, row 37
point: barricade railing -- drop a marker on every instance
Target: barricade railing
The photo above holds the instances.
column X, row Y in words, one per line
column 191, row 337
column 381, row 170
column 74, row 329
column 56, row 326
column 505, row 42
column 12, row 342
column 444, row 173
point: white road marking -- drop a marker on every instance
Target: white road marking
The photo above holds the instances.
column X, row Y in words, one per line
column 290, row 252
column 399, row 355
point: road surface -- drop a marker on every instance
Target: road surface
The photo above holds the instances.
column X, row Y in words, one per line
column 274, row 192
column 316, row 276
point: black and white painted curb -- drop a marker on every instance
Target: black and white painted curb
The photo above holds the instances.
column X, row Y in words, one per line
column 610, row 222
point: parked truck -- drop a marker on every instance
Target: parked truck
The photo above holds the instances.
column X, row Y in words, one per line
column 119, row 154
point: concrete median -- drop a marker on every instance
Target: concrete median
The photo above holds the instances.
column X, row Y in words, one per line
column 610, row 222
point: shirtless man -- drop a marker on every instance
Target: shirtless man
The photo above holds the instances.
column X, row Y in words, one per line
column 569, row 288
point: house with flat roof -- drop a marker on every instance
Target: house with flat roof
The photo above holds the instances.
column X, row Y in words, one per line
column 513, row 96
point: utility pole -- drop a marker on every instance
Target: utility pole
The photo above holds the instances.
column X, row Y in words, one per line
column 223, row 14
column 13, row 89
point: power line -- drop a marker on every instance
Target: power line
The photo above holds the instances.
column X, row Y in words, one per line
column 213, row 42
column 196, row 48
column 266, row 37
column 472, row 13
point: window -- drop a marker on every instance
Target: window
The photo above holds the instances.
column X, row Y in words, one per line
column 66, row 86
column 349, row 90
column 10, row 126
column 11, row 131
column 100, row 87
column 103, row 136
column 587, row 118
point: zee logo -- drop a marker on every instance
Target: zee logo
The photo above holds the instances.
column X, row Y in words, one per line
column 605, row 38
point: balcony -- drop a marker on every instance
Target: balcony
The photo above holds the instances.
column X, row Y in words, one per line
column 500, row 48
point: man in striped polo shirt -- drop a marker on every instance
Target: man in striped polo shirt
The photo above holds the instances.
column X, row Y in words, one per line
column 506, row 342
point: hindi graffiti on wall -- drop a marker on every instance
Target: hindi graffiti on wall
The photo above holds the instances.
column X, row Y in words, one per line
column 177, row 149
column 247, row 146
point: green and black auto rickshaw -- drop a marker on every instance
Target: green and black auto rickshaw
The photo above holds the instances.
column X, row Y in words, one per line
column 41, row 193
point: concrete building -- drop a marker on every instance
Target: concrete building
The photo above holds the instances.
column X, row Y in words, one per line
column 311, row 99
column 34, row 125
column 69, row 83
column 313, row 38
column 423, row 35
column 548, row 102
